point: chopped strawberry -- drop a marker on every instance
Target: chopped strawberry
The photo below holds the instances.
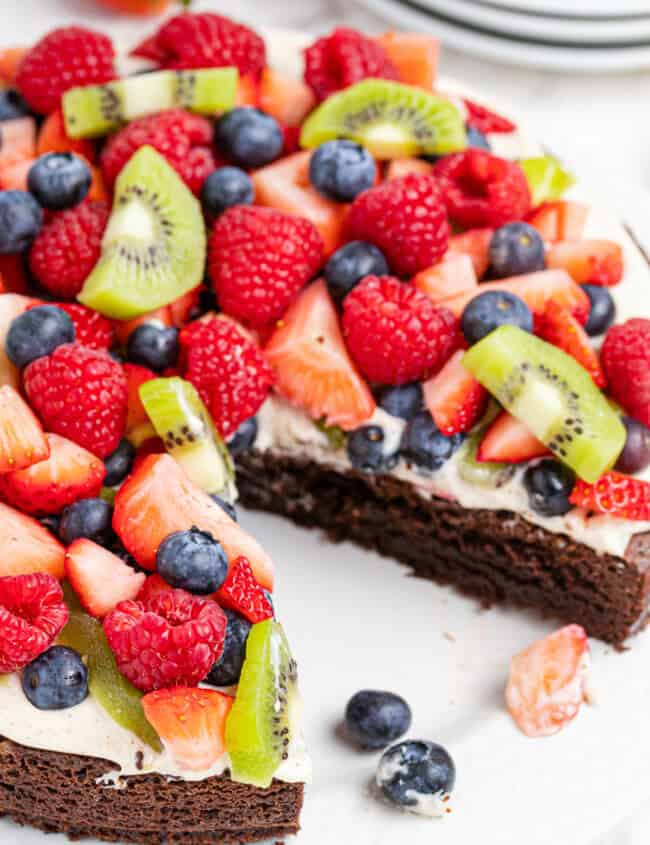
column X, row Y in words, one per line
column 454, row 398
column 399, row 167
column 563, row 220
column 248, row 91
column 52, row 138
column 453, row 276
column 100, row 579
column 13, row 274
column 313, row 367
column 487, row 121
column 17, row 141
column 181, row 309
column 191, row 723
column 476, row 244
column 615, row 494
column 593, row 262
column 241, row 592
column 22, row 441
column 415, row 56
column 27, row 546
column 286, row 99
column 509, row 441
column 13, row 177
column 559, row 327
column 548, row 682
column 10, row 59
column 136, row 376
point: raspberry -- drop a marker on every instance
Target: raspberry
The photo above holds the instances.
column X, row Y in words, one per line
column 406, row 219
column 625, row 357
column 615, row 494
column 91, row 328
column 483, row 190
column 259, row 259
column 32, row 613
column 205, row 40
column 241, row 592
column 65, row 58
column 68, row 247
column 183, row 138
column 395, row 333
column 172, row 639
column 81, row 394
column 343, row 58
column 227, row 369
column 487, row 121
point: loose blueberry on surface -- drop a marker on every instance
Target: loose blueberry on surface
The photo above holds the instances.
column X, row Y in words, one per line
column 21, row 218
column 118, row 465
column 403, row 400
column 603, row 309
column 374, row 719
column 413, row 772
column 424, row 445
column 244, row 437
column 341, row 170
column 90, row 518
column 59, row 180
column 12, row 105
column 549, row 484
column 636, row 452
column 492, row 309
column 192, row 560
column 38, row 332
column 476, row 138
column 516, row 249
column 224, row 188
column 249, row 137
column 228, row 507
column 56, row 679
column 153, row 346
column 350, row 264
column 367, row 449
column 227, row 670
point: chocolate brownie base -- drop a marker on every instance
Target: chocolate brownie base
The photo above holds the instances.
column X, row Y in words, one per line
column 59, row 793
column 495, row 556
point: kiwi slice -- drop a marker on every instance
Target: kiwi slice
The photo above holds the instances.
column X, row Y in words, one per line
column 267, row 707
column 94, row 110
column 550, row 392
column 546, row 177
column 153, row 249
column 120, row 699
column 389, row 119
column 489, row 474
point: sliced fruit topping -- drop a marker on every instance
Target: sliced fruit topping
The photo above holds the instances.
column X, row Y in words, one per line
column 52, row 138
column 28, row 546
column 241, row 592
column 563, row 220
column 559, row 327
column 22, row 442
column 100, row 578
column 548, row 682
column 487, row 121
column 508, row 440
column 288, row 100
column 489, row 474
column 625, row 356
column 17, row 142
column 136, row 376
column 553, row 395
column 476, row 244
column 398, row 167
column 547, row 179
column 266, row 713
column 593, row 262
column 455, row 400
column 616, row 494
column 453, row 276
column 414, row 55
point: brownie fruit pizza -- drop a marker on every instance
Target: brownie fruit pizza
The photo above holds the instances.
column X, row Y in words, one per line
column 313, row 277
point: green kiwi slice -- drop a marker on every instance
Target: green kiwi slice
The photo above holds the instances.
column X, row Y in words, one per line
column 550, row 392
column 184, row 425
column 546, row 178
column 153, row 249
column 94, row 110
column 267, row 707
column 389, row 119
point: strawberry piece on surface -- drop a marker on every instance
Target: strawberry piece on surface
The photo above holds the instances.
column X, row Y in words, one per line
column 453, row 276
column 191, row 724
column 615, row 494
column 52, row 138
column 241, row 592
column 455, row 399
column 625, row 356
column 548, row 682
column 562, row 220
column 559, row 327
column 312, row 365
column 288, row 100
column 487, row 121
column 509, row 441
column 22, row 441
column 592, row 262
column 27, row 546
column 415, row 57
column 100, row 579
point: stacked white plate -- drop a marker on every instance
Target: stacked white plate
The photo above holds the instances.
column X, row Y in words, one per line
column 578, row 35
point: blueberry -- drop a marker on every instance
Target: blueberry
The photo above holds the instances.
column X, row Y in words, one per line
column 636, row 452
column 12, row 105
column 249, row 137
column 118, row 465
column 38, row 332
column 375, row 719
column 402, row 400
column 21, row 218
column 341, row 170
column 549, row 484
column 516, row 249
column 424, row 445
column 602, row 312
column 350, row 264
column 224, row 188
column 192, row 560
column 244, row 437
column 367, row 449
column 228, row 507
column 414, row 773
column 492, row 309
column 56, row 679
column 89, row 518
column 476, row 138
column 59, row 180
column 153, row 346
column 227, row 670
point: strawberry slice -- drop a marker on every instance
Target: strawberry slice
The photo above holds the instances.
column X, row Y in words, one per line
column 11, row 306
column 487, row 121
column 616, row 494
column 241, row 592
column 69, row 473
column 13, row 274
column 191, row 723
column 27, row 546
column 415, row 55
column 101, row 579
column 136, row 376
column 52, row 138
column 453, row 276
column 562, row 220
column 476, row 244
column 559, row 327
column 22, row 441
column 592, row 262
column 454, row 398
column 286, row 99
column 312, row 364
column 17, row 142
column 508, row 441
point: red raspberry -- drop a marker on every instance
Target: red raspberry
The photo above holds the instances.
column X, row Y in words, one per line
column 625, row 357
column 487, row 121
column 91, row 328
column 81, row 394
column 343, row 58
column 483, row 190
column 68, row 247
column 616, row 494
column 205, row 40
column 258, row 260
column 406, row 219
column 395, row 333
column 32, row 613
column 183, row 138
column 241, row 592
column 65, row 58
column 170, row 640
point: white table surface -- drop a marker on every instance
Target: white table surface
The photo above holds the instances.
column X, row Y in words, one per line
column 600, row 126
